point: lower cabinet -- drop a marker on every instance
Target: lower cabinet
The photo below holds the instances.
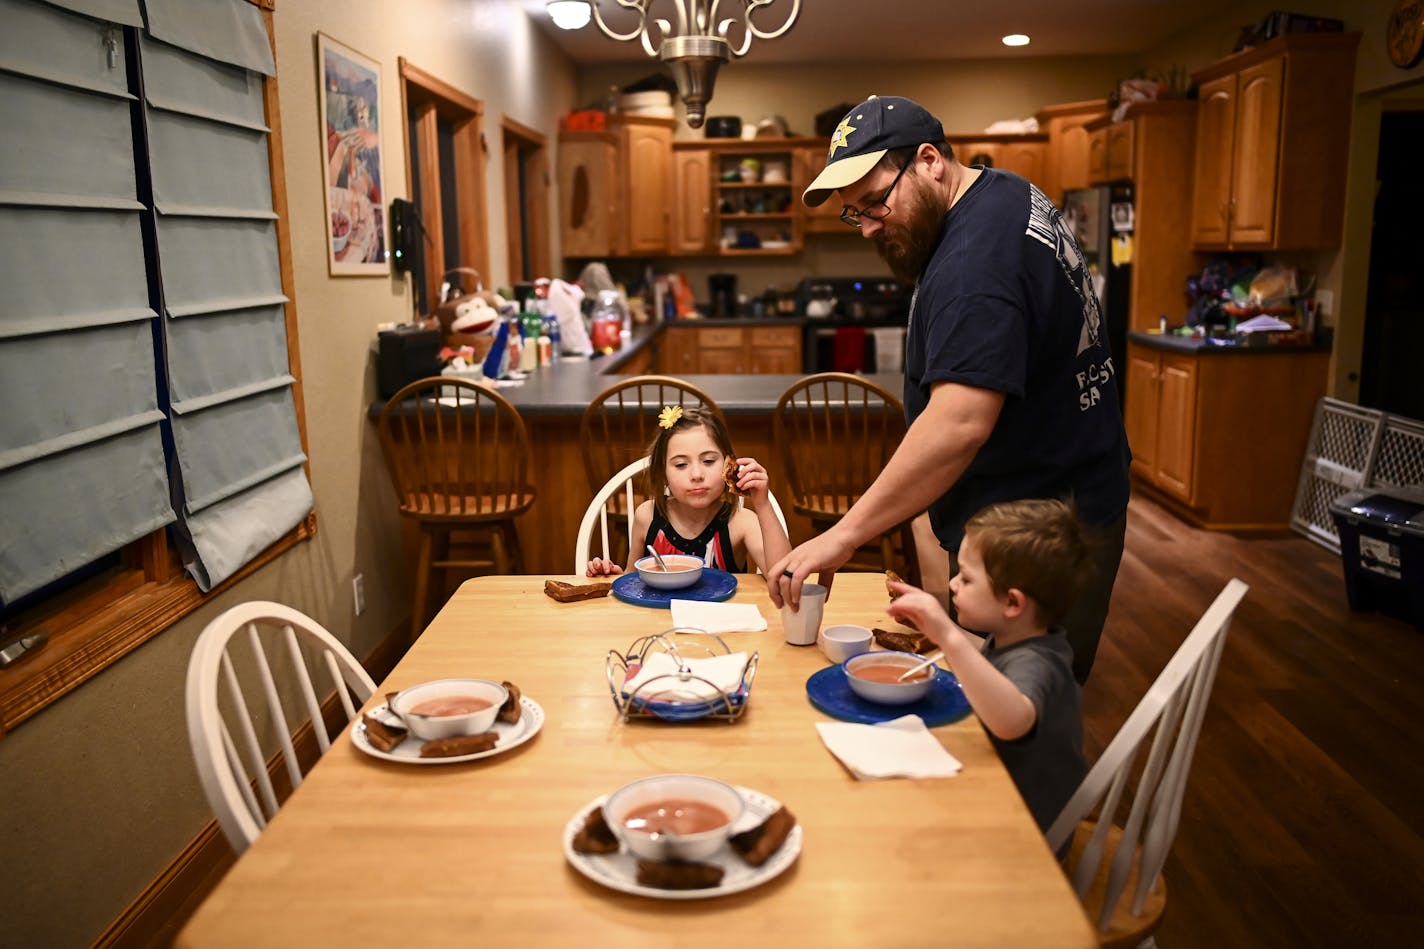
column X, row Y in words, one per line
column 1222, row 433
column 710, row 350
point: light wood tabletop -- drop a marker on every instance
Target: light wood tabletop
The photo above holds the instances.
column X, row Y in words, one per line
column 376, row 853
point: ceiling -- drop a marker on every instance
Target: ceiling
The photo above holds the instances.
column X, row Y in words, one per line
column 904, row 30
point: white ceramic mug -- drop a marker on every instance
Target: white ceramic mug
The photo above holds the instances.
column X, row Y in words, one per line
column 801, row 626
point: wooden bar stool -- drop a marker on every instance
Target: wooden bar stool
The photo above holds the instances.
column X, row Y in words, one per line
column 835, row 432
column 459, row 458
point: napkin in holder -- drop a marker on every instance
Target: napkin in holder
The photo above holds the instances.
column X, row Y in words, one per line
column 661, row 678
column 900, row 748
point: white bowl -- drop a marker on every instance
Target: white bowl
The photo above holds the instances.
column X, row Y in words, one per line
column 683, row 571
column 889, row 693
column 665, row 788
column 429, row 727
column 839, row 643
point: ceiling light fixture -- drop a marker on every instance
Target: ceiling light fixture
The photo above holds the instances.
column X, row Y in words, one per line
column 569, row 14
column 1015, row 39
column 696, row 45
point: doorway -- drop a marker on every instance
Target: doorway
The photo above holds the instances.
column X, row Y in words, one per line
column 1394, row 303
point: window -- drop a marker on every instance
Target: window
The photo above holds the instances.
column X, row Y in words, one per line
column 526, row 202
column 151, row 450
column 445, row 151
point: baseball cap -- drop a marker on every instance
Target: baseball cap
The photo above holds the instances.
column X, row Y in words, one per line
column 867, row 132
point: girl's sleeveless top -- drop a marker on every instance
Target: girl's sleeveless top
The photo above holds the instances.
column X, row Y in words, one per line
column 713, row 546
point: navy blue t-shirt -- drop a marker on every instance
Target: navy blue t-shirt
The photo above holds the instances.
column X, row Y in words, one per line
column 1007, row 303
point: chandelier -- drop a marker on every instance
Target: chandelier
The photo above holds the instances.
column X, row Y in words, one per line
column 695, row 46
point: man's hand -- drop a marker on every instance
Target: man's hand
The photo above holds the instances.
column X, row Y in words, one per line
column 823, row 554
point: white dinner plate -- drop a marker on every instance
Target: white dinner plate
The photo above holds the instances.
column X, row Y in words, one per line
column 531, row 719
column 619, row 871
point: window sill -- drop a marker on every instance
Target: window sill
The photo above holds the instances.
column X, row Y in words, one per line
column 105, row 621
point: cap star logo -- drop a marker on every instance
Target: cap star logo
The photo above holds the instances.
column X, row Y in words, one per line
column 838, row 139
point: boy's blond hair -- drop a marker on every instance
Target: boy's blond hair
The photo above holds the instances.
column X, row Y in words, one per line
column 1037, row 546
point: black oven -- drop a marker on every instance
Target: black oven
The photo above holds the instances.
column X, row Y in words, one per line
column 853, row 324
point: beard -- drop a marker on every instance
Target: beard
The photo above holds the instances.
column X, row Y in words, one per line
column 907, row 246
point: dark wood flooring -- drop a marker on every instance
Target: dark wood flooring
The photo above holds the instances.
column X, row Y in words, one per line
column 1303, row 823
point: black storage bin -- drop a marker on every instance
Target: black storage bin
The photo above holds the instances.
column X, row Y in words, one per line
column 405, row 354
column 1382, row 546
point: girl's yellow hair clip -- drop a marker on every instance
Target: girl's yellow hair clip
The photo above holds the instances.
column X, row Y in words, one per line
column 668, row 417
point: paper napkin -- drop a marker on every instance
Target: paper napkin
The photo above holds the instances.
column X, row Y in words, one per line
column 718, row 617
column 900, row 748
column 723, row 675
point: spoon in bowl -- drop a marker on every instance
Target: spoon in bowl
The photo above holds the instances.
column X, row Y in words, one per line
column 930, row 660
column 659, row 558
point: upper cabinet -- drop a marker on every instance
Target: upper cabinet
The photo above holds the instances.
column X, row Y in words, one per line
column 826, row 217
column 754, row 202
column 1025, row 155
column 692, row 208
column 1272, row 145
column 615, row 189
column 1067, row 155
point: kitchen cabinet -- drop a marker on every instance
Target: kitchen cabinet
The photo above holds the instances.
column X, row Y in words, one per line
column 1065, row 166
column 1271, row 154
column 1097, row 151
column 754, row 204
column 692, row 209
column 1112, row 149
column 615, row 189
column 709, row 350
column 1024, row 155
column 1221, row 435
column 825, row 219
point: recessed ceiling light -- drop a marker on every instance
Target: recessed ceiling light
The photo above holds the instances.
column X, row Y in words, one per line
column 570, row 14
column 1015, row 39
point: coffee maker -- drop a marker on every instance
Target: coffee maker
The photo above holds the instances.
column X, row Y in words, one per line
column 723, row 289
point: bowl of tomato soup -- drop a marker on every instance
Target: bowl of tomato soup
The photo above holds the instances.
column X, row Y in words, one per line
column 874, row 677
column 673, row 816
column 445, row 708
column 681, row 571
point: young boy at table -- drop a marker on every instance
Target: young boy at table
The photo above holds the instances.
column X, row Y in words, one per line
column 1021, row 566
column 693, row 479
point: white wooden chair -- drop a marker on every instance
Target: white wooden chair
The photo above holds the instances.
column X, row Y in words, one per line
column 277, row 673
column 597, row 514
column 1115, row 868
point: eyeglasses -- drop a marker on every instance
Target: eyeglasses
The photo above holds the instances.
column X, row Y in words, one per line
column 880, row 209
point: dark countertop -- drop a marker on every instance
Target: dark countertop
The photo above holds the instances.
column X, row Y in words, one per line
column 1204, row 347
column 570, row 385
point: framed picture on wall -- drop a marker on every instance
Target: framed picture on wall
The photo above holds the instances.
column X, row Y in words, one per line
column 349, row 100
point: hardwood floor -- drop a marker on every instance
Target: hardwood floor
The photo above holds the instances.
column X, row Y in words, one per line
column 1303, row 823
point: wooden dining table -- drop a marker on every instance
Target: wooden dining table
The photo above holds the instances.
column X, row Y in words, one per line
column 369, row 852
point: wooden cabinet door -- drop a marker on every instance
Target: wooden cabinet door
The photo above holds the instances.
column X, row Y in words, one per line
column 647, row 178
column 977, row 153
column 723, row 361
column 1072, row 159
column 1176, row 424
column 774, row 349
column 1119, row 150
column 1026, row 159
column 1216, row 131
column 827, row 217
column 588, row 196
column 1098, row 156
column 677, row 352
column 1256, row 154
column 1140, row 408
column 692, row 210
column 721, row 349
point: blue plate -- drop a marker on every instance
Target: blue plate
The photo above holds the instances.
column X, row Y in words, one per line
column 689, row 711
column 713, row 587
column 829, row 691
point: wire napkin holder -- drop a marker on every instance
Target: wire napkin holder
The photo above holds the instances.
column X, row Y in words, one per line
column 665, row 697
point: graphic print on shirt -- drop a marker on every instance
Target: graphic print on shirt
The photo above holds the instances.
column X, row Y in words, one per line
column 1046, row 226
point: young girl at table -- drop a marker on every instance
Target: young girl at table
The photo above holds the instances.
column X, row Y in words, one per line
column 693, row 479
column 1021, row 566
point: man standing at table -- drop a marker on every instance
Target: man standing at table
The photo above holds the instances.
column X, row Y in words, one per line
column 1010, row 389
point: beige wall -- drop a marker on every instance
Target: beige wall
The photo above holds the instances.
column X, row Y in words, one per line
column 99, row 792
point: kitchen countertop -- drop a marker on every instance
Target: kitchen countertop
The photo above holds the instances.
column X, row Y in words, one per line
column 570, row 385
column 1204, row 347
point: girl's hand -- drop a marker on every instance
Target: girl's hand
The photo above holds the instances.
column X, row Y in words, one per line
column 753, row 482
column 598, row 567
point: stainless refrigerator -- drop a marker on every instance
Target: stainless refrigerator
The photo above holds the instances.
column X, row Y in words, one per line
column 1102, row 219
